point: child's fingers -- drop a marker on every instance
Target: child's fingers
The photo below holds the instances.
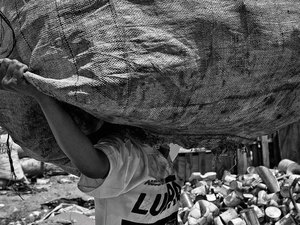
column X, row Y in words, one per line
column 15, row 69
column 12, row 75
column 23, row 70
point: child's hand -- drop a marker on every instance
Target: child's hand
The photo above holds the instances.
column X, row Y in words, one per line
column 12, row 78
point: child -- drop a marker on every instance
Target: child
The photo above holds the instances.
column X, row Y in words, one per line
column 131, row 181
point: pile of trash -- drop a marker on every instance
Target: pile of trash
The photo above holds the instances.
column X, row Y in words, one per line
column 261, row 196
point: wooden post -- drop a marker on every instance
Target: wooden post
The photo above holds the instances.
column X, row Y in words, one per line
column 265, row 150
column 276, row 155
column 242, row 161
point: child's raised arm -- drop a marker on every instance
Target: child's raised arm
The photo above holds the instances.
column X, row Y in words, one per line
column 91, row 162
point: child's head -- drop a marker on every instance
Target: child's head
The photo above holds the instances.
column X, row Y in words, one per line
column 86, row 122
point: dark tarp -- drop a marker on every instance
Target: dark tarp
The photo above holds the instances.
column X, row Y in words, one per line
column 289, row 142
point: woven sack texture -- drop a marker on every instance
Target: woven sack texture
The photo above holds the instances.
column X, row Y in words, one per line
column 194, row 72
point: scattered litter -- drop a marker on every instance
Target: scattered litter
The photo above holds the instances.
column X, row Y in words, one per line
column 42, row 188
column 89, row 203
column 42, row 181
column 64, row 222
column 65, row 181
column 2, row 192
column 66, row 209
column 73, row 177
column 73, row 218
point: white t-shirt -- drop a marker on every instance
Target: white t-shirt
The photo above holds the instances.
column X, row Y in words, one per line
column 140, row 188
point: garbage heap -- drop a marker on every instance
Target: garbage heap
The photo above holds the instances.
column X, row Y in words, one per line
column 261, row 196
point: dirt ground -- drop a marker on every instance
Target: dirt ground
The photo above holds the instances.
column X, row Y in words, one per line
column 16, row 206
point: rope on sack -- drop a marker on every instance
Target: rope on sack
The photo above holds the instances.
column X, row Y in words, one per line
column 11, row 163
column 12, row 169
column 2, row 16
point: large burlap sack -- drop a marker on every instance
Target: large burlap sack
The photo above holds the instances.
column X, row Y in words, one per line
column 194, row 72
